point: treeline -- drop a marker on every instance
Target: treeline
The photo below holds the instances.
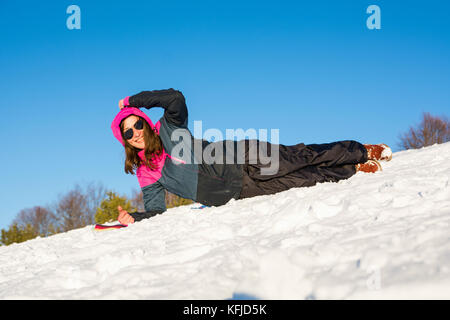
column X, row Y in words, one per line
column 430, row 130
column 77, row 208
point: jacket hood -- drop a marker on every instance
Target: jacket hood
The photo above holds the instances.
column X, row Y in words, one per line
column 125, row 112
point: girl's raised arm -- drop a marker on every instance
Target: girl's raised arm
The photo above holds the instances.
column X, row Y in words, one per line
column 171, row 100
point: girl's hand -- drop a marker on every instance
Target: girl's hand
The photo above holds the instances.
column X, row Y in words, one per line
column 121, row 106
column 124, row 217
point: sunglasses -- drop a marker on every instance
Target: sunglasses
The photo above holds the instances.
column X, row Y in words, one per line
column 138, row 125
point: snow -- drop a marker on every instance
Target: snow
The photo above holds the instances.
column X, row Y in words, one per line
column 373, row 236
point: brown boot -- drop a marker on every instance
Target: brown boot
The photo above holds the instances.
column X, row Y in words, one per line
column 371, row 166
column 378, row 152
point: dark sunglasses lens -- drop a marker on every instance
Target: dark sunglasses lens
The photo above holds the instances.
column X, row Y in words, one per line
column 128, row 134
column 139, row 125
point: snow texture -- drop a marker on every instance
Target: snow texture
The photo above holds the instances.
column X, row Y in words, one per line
column 374, row 236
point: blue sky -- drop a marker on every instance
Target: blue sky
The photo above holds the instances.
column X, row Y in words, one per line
column 311, row 69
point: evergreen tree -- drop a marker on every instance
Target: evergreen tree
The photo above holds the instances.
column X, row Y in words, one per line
column 108, row 212
column 17, row 234
column 172, row 200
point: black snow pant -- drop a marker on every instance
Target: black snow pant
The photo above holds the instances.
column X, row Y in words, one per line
column 301, row 165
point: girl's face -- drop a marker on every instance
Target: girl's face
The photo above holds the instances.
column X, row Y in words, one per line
column 137, row 140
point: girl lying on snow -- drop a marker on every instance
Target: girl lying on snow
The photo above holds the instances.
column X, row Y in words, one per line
column 148, row 149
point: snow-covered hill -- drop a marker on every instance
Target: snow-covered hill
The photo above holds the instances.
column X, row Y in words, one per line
column 383, row 235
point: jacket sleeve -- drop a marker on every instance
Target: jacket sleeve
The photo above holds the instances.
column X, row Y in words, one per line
column 171, row 100
column 154, row 202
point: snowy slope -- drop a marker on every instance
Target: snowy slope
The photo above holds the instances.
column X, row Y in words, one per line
column 383, row 235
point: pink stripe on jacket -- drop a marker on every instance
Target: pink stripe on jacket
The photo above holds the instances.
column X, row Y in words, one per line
column 144, row 174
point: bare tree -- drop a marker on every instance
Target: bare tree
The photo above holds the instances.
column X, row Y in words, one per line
column 74, row 209
column 429, row 131
column 137, row 200
column 71, row 210
column 77, row 207
column 94, row 193
column 172, row 200
column 41, row 219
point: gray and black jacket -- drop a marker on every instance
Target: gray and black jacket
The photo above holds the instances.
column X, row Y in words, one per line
column 183, row 170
